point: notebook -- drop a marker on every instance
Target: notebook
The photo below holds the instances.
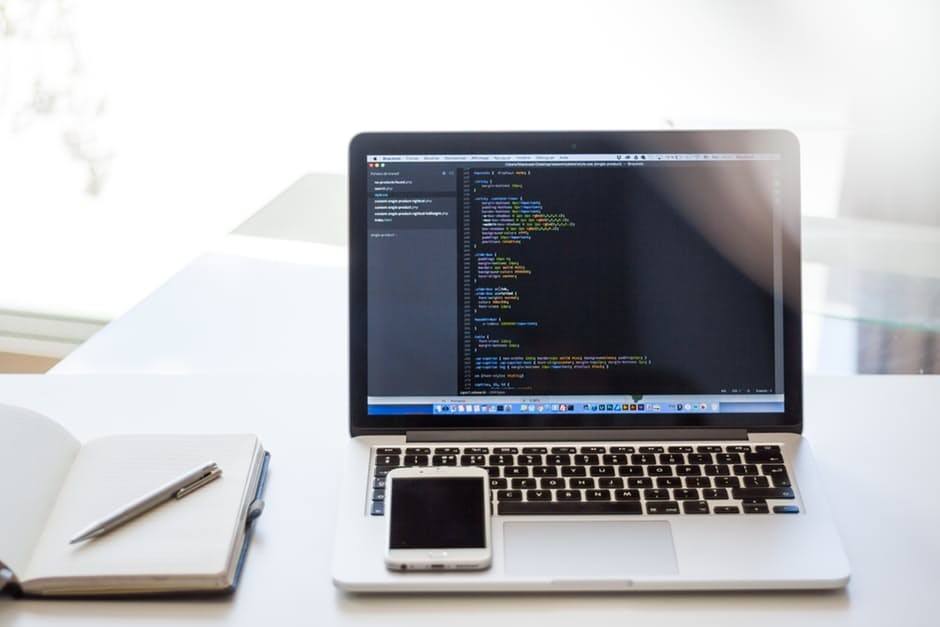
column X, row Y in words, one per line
column 53, row 486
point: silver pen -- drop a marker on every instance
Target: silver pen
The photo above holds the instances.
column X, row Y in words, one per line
column 176, row 489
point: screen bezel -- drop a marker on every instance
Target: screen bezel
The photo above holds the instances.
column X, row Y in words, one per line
column 743, row 141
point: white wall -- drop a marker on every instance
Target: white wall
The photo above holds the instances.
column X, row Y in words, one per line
column 211, row 108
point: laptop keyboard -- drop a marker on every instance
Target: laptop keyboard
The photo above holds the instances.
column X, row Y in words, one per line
column 667, row 479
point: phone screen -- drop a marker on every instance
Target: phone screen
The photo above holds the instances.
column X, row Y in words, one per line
column 437, row 513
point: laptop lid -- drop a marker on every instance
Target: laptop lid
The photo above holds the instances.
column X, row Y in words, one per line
column 574, row 280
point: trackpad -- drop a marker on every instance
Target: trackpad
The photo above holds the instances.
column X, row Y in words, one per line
column 589, row 549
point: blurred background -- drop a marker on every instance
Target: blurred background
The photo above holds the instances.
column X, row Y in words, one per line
column 136, row 136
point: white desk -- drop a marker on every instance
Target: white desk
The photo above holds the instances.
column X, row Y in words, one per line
column 227, row 313
column 880, row 485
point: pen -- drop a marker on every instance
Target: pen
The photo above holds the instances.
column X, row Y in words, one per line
column 176, row 489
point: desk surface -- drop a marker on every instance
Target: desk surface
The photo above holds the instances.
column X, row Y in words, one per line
column 878, row 482
column 231, row 313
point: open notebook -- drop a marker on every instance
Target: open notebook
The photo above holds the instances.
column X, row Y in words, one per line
column 51, row 486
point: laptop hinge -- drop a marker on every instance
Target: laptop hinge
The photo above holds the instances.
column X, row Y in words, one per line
column 577, row 435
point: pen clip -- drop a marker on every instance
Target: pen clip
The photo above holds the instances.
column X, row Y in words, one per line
column 214, row 473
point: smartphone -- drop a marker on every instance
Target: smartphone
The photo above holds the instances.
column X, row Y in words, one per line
column 438, row 518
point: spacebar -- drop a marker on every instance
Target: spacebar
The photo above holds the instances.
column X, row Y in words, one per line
column 564, row 507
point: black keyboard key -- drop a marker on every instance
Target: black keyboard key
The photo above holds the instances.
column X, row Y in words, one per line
column 610, row 482
column 506, row 450
column 717, row 470
column 630, row 471
column 668, row 482
column 745, row 469
column 786, row 509
column 498, row 484
column 643, row 459
column 710, row 448
column 622, row 450
column 597, row 495
column 381, row 471
column 580, row 483
column 473, row 460
column 755, row 508
column 568, row 495
column 573, row 471
column 656, row 495
column 614, row 460
column 387, row 460
column 627, row 495
column 727, row 482
column 728, row 458
column 777, row 474
column 492, row 471
column 444, row 460
column 447, row 450
column 640, row 482
column 659, row 471
column 417, row 451
column 740, row 448
column 563, row 450
column 509, row 495
column 565, row 508
column 523, row 484
column 515, row 471
column 685, row 471
column 694, row 507
column 502, row 460
column 385, row 450
column 545, row 471
column 762, row 493
column 685, row 494
column 698, row 482
column 763, row 458
column 378, row 508
column 679, row 449
column 767, row 448
column 538, row 495
column 529, row 460
column 416, row 460
column 534, row 450
column 379, row 483
column 671, row 458
column 662, row 507
column 558, row 460
column 700, row 458
column 727, row 509
column 378, row 495
column 602, row 471
column 552, row 483
column 756, row 482
column 715, row 494
column 476, row 450
column 593, row 449
column 586, row 460
column 651, row 449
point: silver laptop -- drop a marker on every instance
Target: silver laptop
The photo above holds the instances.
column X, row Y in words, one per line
column 609, row 324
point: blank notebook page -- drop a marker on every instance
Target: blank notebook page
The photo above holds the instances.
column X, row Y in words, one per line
column 192, row 536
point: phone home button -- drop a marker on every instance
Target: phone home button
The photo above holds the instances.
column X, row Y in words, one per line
column 437, row 554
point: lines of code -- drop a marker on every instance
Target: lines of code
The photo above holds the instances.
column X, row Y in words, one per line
column 517, row 338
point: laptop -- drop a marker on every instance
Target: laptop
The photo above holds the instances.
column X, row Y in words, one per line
column 609, row 324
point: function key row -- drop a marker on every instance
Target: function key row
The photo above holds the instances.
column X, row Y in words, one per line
column 585, row 450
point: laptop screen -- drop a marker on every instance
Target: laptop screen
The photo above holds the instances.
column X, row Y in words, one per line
column 573, row 284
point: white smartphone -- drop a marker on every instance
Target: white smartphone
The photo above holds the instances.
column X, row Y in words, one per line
column 438, row 518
